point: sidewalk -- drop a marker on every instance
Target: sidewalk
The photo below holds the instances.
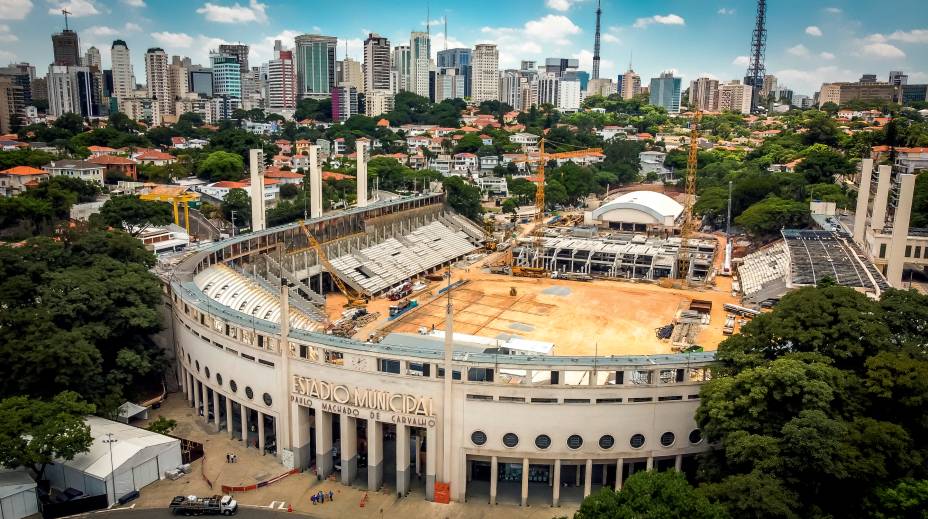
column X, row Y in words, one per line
column 296, row 490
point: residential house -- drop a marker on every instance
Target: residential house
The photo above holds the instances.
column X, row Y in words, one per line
column 464, row 162
column 96, row 151
column 17, row 179
column 528, row 141
column 653, row 162
column 301, row 146
column 155, row 158
column 115, row 164
column 486, row 140
column 81, row 169
column 283, row 177
column 285, row 146
column 493, row 186
column 488, row 162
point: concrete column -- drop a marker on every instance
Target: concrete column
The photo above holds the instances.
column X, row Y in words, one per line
column 256, row 169
column 374, row 454
column 216, row 412
column 470, row 471
column 196, row 397
column 323, row 443
column 418, row 452
column 678, row 463
column 588, row 478
column 524, row 481
column 431, row 462
column 896, row 256
column 556, row 480
column 261, row 432
column 619, row 468
column 402, row 460
column 881, row 198
column 650, row 464
column 605, row 473
column 349, row 441
column 494, row 474
column 183, row 377
column 299, row 433
column 229, row 417
column 244, row 424
column 577, row 475
column 315, row 182
column 361, row 172
column 190, row 396
column 863, row 201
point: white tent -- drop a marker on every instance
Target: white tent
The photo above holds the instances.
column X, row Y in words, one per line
column 139, row 457
column 17, row 495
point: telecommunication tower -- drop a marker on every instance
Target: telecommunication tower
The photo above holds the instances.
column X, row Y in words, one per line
column 756, row 69
column 599, row 13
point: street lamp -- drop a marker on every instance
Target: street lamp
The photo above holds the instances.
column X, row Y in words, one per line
column 110, row 441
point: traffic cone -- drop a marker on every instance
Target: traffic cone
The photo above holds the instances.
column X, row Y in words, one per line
column 290, row 507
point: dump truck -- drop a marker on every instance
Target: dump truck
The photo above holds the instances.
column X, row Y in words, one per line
column 193, row 505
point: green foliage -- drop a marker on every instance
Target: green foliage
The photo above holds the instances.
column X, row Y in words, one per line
column 34, row 433
column 238, row 141
column 313, row 109
column 237, row 200
column 411, row 108
column 162, row 425
column 765, row 218
column 469, row 143
column 555, row 194
column 133, row 215
column 222, row 165
column 578, row 181
column 920, row 201
column 24, row 157
column 650, row 495
column 510, row 206
column 289, row 190
column 463, row 197
column 820, row 129
column 397, row 177
column 821, row 164
column 40, row 210
column 521, row 190
column 622, row 160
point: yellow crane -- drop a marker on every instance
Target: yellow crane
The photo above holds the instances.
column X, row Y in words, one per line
column 689, row 223
column 355, row 300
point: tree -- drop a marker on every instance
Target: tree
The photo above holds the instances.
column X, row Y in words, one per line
column 289, row 190
column 134, row 215
column 162, row 425
column 222, row 165
column 70, row 122
column 920, row 201
column 765, row 218
column 237, row 200
column 821, row 164
column 555, row 194
column 650, row 495
column 463, row 197
column 34, row 433
column 510, row 206
column 820, row 129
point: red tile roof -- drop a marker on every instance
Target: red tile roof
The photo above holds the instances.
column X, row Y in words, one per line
column 23, row 171
column 105, row 160
column 99, row 148
column 332, row 175
column 154, row 155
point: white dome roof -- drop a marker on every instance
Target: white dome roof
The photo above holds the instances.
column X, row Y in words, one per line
column 658, row 205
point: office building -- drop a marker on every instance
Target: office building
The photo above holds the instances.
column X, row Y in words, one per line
column 239, row 52
column 121, row 64
column 201, row 81
column 66, row 48
column 867, row 89
column 527, row 64
column 510, row 88
column 801, row 101
column 376, row 64
column 631, row 84
column 769, row 86
column 349, row 73
column 92, row 58
column 898, row 77
column 558, row 66
column 314, row 62
column 20, row 92
column 485, row 73
column 569, row 94
column 704, row 94
column 449, row 85
column 545, row 90
column 400, row 68
column 178, row 79
column 377, row 103
column 227, row 76
column 11, row 111
column 665, row 91
column 735, row 96
column 419, row 63
column 458, row 59
column 600, row 87
column 71, row 90
column 157, row 79
column 281, row 82
column 344, row 103
column 913, row 93
column 584, row 78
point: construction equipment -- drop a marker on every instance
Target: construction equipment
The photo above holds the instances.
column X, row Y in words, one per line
column 489, row 233
column 355, row 300
column 689, row 223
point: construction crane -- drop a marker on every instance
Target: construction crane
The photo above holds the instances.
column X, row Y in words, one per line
column 537, row 269
column 689, row 223
column 355, row 300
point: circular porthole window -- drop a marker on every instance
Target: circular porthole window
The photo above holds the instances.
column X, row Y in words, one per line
column 267, row 399
column 542, row 441
column 249, row 393
column 667, row 439
column 478, row 437
column 233, row 386
column 206, row 370
column 219, row 378
column 637, row 441
column 197, row 363
column 574, row 441
column 606, row 441
column 695, row 436
column 510, row 440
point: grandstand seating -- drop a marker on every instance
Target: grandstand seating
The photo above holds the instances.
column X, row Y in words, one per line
column 765, row 267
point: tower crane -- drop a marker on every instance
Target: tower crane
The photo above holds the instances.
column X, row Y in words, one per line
column 689, row 223
column 355, row 300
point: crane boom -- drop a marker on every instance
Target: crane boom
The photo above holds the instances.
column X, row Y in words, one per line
column 689, row 223
column 354, row 300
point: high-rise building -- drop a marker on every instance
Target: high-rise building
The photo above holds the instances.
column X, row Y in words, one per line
column 201, row 81
column 631, row 84
column 769, row 86
column 704, row 94
column 569, row 93
column 350, row 74
column 376, row 64
column 344, row 103
column 527, row 64
column 458, row 59
column 898, row 77
column 178, row 79
column 227, row 76
column 910, row 93
column 378, row 102
column 600, row 87
column 20, row 92
column 71, row 89
column 584, row 78
column 545, row 90
column 619, row 81
column 400, row 68
column 157, row 79
column 123, row 82
column 39, row 89
column 735, row 97
column 66, row 48
column 10, row 114
column 239, row 52
column 281, row 82
column 559, row 66
column 510, row 88
column 449, row 85
column 92, row 58
column 665, row 91
column 868, row 89
column 314, row 62
column 420, row 51
column 485, row 73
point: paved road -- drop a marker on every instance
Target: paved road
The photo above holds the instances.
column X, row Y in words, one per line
column 244, row 512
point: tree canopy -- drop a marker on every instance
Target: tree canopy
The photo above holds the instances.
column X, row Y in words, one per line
column 133, row 215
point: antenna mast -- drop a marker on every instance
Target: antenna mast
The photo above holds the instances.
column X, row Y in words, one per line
column 599, row 12
column 446, row 31
column 756, row 69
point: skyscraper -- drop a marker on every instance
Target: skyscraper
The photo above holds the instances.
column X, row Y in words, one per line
column 122, row 70
column 665, row 91
column 485, row 73
column 227, row 75
column 350, row 74
column 71, row 89
column 458, row 59
column 510, row 88
column 898, row 77
column 66, row 48
column 769, row 86
column 281, row 82
column 631, row 84
column 559, row 66
column 704, row 94
column 239, row 52
column 92, row 58
column 449, row 85
column 178, row 79
column 735, row 97
column 157, row 80
column 400, row 68
column 376, row 63
column 420, row 51
column 314, row 61
column 599, row 13
column 344, row 103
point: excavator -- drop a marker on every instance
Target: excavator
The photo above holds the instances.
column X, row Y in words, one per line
column 355, row 299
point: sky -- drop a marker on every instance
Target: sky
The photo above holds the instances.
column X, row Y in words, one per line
column 809, row 41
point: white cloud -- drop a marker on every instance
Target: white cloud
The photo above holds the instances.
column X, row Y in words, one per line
column 726, row 11
column 670, row 19
column 554, row 27
column 742, row 61
column 826, row 55
column 611, row 38
column 913, row 36
column 132, row 27
column 798, row 50
column 5, row 35
column 433, row 23
column 134, row 3
column 607, row 67
column 173, row 40
column 808, row 81
column 833, row 10
column 882, row 50
column 235, row 13
column 708, row 75
column 812, row 30
column 104, row 30
column 77, row 8
column 560, row 5
column 876, row 38
column 7, row 56
column 14, row 9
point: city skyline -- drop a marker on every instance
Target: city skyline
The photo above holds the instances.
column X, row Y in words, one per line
column 807, row 44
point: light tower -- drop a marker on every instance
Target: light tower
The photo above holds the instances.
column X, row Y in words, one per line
column 756, row 69
column 599, row 13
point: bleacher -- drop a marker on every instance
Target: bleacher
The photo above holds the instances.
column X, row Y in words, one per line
column 393, row 261
column 764, row 268
column 236, row 291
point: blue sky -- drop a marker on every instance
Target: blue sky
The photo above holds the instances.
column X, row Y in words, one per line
column 809, row 41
